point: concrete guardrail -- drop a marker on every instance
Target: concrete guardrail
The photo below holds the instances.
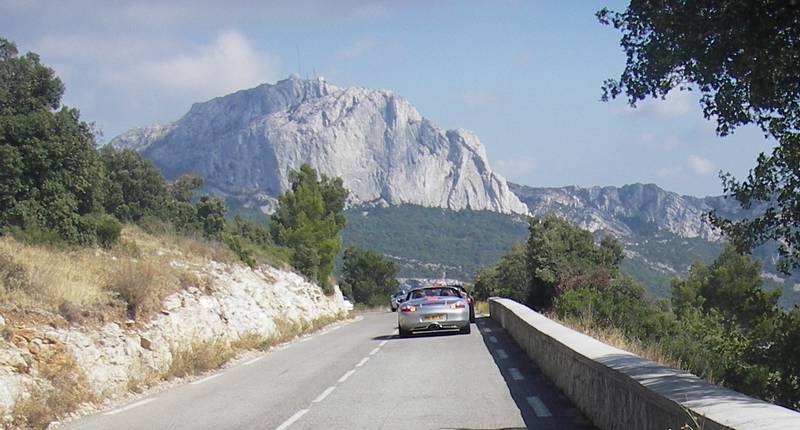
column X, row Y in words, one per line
column 618, row 390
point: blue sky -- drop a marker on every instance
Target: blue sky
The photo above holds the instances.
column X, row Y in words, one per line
column 524, row 75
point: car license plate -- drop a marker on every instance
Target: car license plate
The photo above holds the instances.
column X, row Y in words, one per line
column 435, row 317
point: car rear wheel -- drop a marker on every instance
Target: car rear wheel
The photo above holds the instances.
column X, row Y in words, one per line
column 465, row 330
column 403, row 332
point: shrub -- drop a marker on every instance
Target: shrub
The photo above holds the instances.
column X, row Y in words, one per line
column 199, row 357
column 13, row 275
column 243, row 252
column 140, row 286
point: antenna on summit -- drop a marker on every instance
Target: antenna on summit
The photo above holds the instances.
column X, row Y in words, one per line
column 299, row 69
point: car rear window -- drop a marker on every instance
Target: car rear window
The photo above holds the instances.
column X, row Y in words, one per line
column 435, row 292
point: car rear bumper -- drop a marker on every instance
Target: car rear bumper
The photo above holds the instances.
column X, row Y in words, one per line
column 434, row 319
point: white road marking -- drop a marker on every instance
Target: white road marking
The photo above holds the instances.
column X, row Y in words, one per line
column 200, row 381
column 305, row 339
column 538, row 407
column 334, row 328
column 324, row 394
column 347, row 375
column 292, row 419
column 492, row 339
column 362, row 362
column 374, row 351
column 247, row 363
column 502, row 354
column 131, row 406
column 515, row 374
column 384, row 342
column 487, row 330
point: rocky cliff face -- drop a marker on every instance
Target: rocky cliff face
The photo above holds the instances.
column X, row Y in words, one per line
column 244, row 144
column 630, row 209
column 108, row 359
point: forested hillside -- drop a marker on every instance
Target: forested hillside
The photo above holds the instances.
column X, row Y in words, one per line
column 425, row 242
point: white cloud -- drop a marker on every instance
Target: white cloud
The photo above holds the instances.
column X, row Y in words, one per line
column 676, row 103
column 356, row 50
column 229, row 63
column 700, row 165
column 516, row 167
column 478, row 98
column 666, row 172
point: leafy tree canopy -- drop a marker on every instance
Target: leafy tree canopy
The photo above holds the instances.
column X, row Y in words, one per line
column 743, row 58
column 731, row 285
column 51, row 177
column 370, row 277
column 562, row 256
column 308, row 220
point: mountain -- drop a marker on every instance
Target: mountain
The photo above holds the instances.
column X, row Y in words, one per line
column 630, row 210
column 245, row 143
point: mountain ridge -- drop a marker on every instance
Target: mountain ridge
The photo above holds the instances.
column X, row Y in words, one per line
column 386, row 152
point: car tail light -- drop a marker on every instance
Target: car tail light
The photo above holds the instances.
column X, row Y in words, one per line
column 457, row 305
column 408, row 308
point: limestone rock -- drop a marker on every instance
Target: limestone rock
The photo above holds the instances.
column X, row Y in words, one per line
column 245, row 143
column 621, row 210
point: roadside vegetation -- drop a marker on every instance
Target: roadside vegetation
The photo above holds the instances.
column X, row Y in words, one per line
column 308, row 220
column 78, row 207
column 368, row 278
column 91, row 235
column 718, row 323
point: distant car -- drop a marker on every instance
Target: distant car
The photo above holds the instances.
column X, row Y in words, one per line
column 470, row 301
column 433, row 308
column 397, row 298
column 348, row 304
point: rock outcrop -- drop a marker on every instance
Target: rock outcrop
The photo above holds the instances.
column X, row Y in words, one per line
column 627, row 210
column 245, row 143
column 109, row 359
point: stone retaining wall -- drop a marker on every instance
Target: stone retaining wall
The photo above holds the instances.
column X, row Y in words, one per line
column 618, row 390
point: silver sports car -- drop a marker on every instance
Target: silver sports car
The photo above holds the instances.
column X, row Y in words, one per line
column 433, row 308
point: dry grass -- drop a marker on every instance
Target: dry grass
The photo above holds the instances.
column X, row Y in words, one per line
column 65, row 391
column 482, row 307
column 286, row 329
column 46, row 278
column 84, row 284
column 204, row 356
column 252, row 341
column 617, row 338
column 143, row 285
column 198, row 358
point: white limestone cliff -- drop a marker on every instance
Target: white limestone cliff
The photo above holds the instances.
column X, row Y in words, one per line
column 244, row 144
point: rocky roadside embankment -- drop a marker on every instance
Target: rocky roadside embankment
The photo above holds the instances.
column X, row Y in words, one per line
column 41, row 353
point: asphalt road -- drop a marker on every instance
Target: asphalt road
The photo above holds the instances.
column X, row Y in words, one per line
column 362, row 376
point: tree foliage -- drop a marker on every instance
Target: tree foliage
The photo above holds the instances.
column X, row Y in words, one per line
column 51, row 177
column 368, row 276
column 211, row 214
column 135, row 186
column 308, row 220
column 562, row 256
column 507, row 278
column 742, row 57
column 721, row 324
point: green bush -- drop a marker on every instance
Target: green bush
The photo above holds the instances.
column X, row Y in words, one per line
column 244, row 254
column 369, row 276
column 107, row 229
